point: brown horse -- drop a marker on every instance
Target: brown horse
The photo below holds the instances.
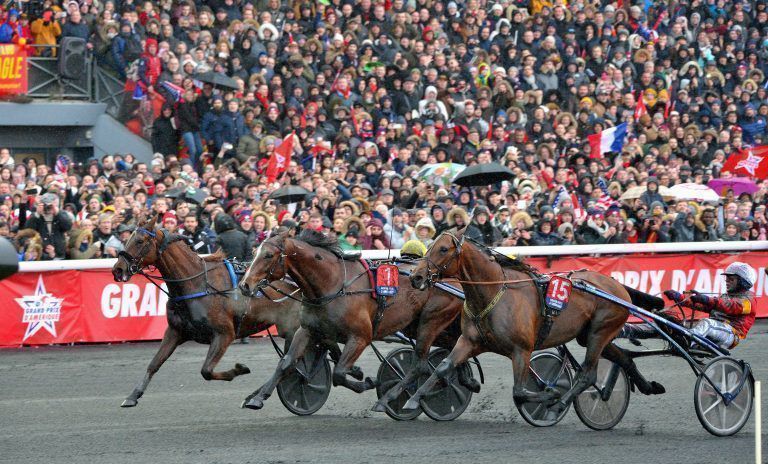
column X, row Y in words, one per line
column 203, row 303
column 503, row 314
column 338, row 307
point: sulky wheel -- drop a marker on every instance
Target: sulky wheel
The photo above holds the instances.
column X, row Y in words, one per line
column 547, row 372
column 449, row 398
column 401, row 361
column 603, row 404
column 307, row 387
column 735, row 382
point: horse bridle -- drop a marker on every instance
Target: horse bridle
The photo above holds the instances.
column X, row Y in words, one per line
column 434, row 277
column 136, row 263
column 268, row 278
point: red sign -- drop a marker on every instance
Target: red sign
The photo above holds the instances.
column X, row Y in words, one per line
column 558, row 292
column 13, row 70
column 387, row 279
column 89, row 306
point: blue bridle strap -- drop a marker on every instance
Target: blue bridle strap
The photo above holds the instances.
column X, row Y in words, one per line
column 146, row 231
column 232, row 275
column 191, row 296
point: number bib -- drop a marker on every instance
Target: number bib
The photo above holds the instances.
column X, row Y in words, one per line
column 387, row 279
column 558, row 294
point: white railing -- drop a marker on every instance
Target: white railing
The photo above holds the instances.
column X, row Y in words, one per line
column 573, row 250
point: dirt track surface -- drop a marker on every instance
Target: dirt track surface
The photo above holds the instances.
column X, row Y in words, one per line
column 61, row 405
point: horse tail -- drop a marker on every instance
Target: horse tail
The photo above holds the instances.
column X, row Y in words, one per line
column 644, row 300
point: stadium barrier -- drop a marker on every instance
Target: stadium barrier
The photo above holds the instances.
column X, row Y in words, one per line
column 77, row 301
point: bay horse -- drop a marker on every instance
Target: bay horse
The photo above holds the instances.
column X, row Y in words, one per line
column 203, row 302
column 503, row 314
column 324, row 275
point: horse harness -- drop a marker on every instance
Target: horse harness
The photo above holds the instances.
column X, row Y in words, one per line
column 320, row 302
column 541, row 283
column 136, row 267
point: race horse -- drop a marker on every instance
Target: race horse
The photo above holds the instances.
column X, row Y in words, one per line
column 203, row 302
column 339, row 307
column 503, row 314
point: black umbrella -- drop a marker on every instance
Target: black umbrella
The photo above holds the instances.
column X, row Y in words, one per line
column 217, row 79
column 289, row 194
column 196, row 195
column 175, row 192
column 483, row 174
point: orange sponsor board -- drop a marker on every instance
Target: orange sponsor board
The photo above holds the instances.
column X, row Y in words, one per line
column 13, row 70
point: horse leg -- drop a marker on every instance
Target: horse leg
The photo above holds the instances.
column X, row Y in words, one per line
column 521, row 368
column 296, row 351
column 216, row 350
column 171, row 339
column 463, row 350
column 335, row 352
column 621, row 357
column 352, row 351
column 597, row 338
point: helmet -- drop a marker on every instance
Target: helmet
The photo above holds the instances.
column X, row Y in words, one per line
column 742, row 270
column 413, row 248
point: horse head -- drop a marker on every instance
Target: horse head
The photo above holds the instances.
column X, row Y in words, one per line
column 441, row 260
column 141, row 250
column 268, row 265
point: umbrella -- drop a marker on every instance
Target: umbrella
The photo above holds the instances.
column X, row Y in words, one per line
column 217, row 79
column 634, row 193
column 174, row 192
column 691, row 191
column 483, row 174
column 738, row 184
column 440, row 173
column 289, row 194
column 196, row 195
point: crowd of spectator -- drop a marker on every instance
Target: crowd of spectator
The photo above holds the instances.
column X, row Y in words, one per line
column 372, row 91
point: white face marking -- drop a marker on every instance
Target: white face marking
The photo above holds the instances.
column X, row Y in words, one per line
column 259, row 250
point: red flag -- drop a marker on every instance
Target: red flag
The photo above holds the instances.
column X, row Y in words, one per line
column 278, row 162
column 751, row 162
column 640, row 108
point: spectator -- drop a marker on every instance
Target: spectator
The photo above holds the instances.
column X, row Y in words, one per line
column 165, row 134
column 52, row 225
column 45, row 31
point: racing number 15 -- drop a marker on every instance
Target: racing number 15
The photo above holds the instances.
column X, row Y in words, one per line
column 560, row 289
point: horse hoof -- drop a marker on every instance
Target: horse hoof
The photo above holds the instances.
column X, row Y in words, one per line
column 371, row 383
column 472, row 385
column 657, row 388
column 379, row 407
column 412, row 404
column 129, row 403
column 242, row 369
column 356, row 373
column 253, row 403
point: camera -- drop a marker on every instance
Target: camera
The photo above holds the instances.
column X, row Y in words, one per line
column 48, row 209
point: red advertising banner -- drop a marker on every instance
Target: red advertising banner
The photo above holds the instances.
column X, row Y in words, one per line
column 89, row 306
column 13, row 70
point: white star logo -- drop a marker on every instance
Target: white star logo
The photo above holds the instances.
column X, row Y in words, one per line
column 750, row 164
column 41, row 310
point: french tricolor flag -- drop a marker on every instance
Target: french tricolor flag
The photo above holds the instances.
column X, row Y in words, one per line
column 608, row 140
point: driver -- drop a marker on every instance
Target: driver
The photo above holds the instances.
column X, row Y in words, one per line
column 732, row 314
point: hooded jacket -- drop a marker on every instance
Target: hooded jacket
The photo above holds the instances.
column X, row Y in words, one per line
column 230, row 239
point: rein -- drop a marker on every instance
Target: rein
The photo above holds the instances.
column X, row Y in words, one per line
column 318, row 302
column 136, row 266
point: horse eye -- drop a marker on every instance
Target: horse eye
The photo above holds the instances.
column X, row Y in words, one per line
column 443, row 249
column 268, row 255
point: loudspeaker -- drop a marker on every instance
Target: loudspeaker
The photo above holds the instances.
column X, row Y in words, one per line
column 72, row 57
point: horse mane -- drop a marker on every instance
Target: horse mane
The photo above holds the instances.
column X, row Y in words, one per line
column 216, row 256
column 505, row 261
column 320, row 240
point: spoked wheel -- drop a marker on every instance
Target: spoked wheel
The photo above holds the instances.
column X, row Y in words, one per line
column 401, row 361
column 449, row 398
column 728, row 376
column 307, row 387
column 603, row 404
column 547, row 373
